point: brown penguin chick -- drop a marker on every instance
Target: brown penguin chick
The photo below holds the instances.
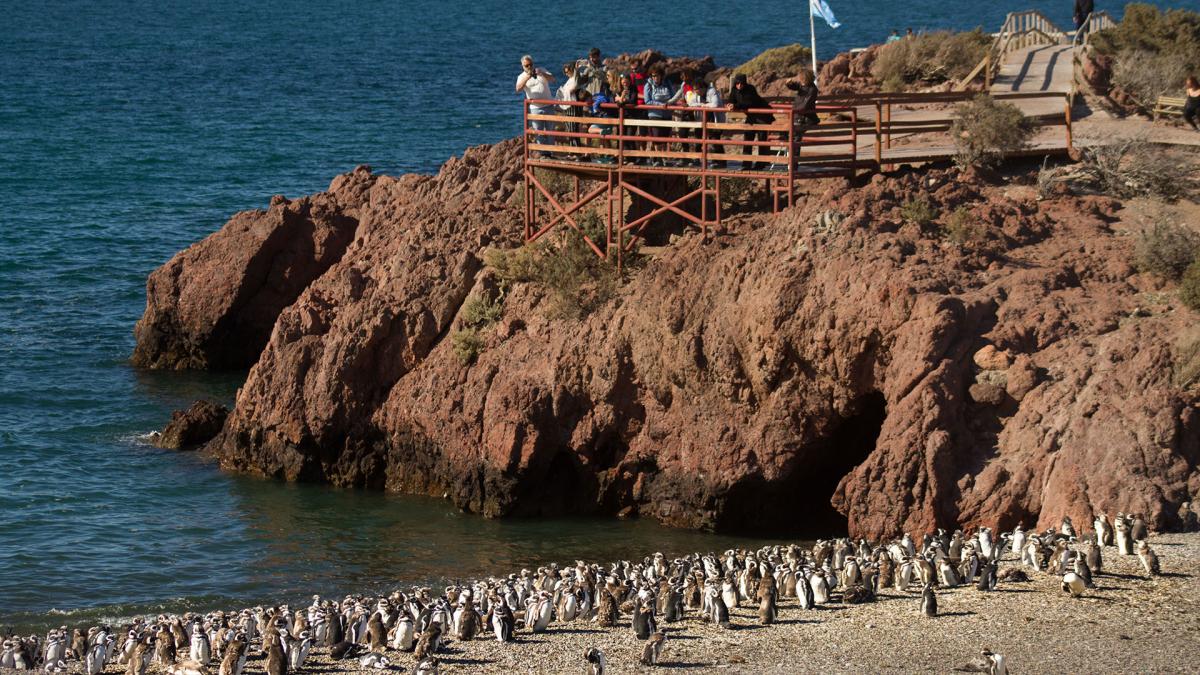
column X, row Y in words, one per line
column 468, row 624
column 78, row 645
column 300, row 623
column 180, row 635
column 606, row 615
column 164, row 647
column 1015, row 574
column 1148, row 557
column 138, row 663
column 652, row 652
column 429, row 642
column 231, row 662
column 376, row 633
column 276, row 663
column 887, row 570
column 766, row 604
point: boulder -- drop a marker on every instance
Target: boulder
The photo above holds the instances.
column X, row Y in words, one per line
column 191, row 428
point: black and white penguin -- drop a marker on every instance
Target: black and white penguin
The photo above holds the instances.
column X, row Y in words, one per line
column 644, row 624
column 427, row 666
column 1103, row 530
column 200, row 650
column 503, row 622
column 1095, row 560
column 929, row 605
column 1121, row 535
column 404, row 636
column 987, row 576
column 1067, row 528
column 1081, row 568
column 596, row 663
column 1073, row 583
column 1137, row 528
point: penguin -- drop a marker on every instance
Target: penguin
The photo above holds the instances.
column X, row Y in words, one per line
column 804, row 592
column 767, row 610
column 1095, row 560
column 374, row 660
column 607, row 615
column 1148, row 557
column 1072, row 583
column 820, row 587
column 297, row 653
column 1121, row 535
column 928, row 601
column 344, row 650
column 139, row 660
column 503, row 622
column 187, row 667
column 164, row 647
column 1018, row 540
column 596, row 663
column 1103, row 530
column 79, row 645
column 947, row 575
column 468, row 622
column 429, row 642
column 987, row 577
column 234, row 659
column 653, row 649
column 97, row 656
column 718, row 610
column 989, row 662
column 643, row 621
column 1137, row 529
column 22, row 659
column 404, row 634
column 1084, row 572
column 200, row 650
column 276, row 661
column 376, row 633
column 427, row 666
column 1015, row 574
column 1067, row 528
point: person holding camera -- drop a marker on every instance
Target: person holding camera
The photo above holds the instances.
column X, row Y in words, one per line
column 535, row 83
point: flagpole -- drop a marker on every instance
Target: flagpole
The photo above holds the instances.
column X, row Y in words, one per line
column 812, row 33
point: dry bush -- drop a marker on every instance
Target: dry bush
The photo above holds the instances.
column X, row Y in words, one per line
column 1189, row 286
column 1167, row 249
column 929, row 59
column 788, row 59
column 919, row 211
column 1187, row 360
column 467, row 344
column 1131, row 167
column 962, row 227
column 576, row 278
column 1146, row 76
column 480, row 311
column 985, row 130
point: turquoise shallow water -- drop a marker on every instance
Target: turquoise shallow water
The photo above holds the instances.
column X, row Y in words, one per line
column 129, row 130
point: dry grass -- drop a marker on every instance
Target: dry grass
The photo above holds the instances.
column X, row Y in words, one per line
column 1167, row 249
column 985, row 130
column 929, row 59
column 787, row 60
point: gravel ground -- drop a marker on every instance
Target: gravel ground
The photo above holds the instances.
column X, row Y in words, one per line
column 1128, row 623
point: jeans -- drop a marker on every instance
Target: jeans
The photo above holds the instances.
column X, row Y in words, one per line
column 541, row 125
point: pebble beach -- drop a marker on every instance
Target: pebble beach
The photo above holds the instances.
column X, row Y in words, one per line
column 1129, row 623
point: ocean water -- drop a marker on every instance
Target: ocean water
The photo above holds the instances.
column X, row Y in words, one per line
column 129, row 130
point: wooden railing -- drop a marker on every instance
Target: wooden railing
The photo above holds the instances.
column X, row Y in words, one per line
column 1081, row 46
column 1020, row 30
column 693, row 139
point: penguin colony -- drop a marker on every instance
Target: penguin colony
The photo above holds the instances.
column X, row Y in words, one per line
column 412, row 627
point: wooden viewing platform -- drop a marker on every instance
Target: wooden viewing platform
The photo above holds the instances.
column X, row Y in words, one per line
column 708, row 146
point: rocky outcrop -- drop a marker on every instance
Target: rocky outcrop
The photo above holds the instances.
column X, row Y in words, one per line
column 832, row 367
column 193, row 427
column 213, row 305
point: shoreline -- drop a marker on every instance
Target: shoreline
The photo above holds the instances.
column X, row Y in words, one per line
column 1129, row 622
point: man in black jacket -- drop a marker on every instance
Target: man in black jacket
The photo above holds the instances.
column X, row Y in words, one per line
column 745, row 97
column 1083, row 9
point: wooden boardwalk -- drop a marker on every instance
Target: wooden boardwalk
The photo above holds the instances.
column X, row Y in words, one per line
column 1032, row 64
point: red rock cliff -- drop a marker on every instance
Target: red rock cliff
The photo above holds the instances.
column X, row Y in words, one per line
column 834, row 357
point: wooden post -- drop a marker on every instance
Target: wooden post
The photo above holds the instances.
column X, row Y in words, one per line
column 1067, row 117
column 878, row 136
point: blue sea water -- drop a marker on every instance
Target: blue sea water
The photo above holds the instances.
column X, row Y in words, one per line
column 130, row 129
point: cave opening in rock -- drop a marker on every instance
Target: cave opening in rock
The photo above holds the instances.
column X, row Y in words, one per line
column 799, row 504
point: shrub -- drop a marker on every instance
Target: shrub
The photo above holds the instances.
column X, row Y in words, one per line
column 1131, row 167
column 1187, row 360
column 1189, row 286
column 919, row 211
column 1167, row 249
column 930, row 58
column 736, row 194
column 788, row 59
column 480, row 311
column 467, row 345
column 513, row 265
column 985, row 130
column 962, row 227
column 1148, row 28
column 576, row 278
column 1145, row 75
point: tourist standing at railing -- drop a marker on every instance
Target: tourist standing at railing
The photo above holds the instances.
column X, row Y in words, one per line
column 1191, row 105
column 591, row 72
column 594, row 107
column 658, row 94
column 566, row 92
column 713, row 100
column 690, row 97
column 535, row 83
column 1083, row 9
column 625, row 95
column 804, row 103
column 743, row 98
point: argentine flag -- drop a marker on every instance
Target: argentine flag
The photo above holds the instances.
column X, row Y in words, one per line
column 821, row 9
